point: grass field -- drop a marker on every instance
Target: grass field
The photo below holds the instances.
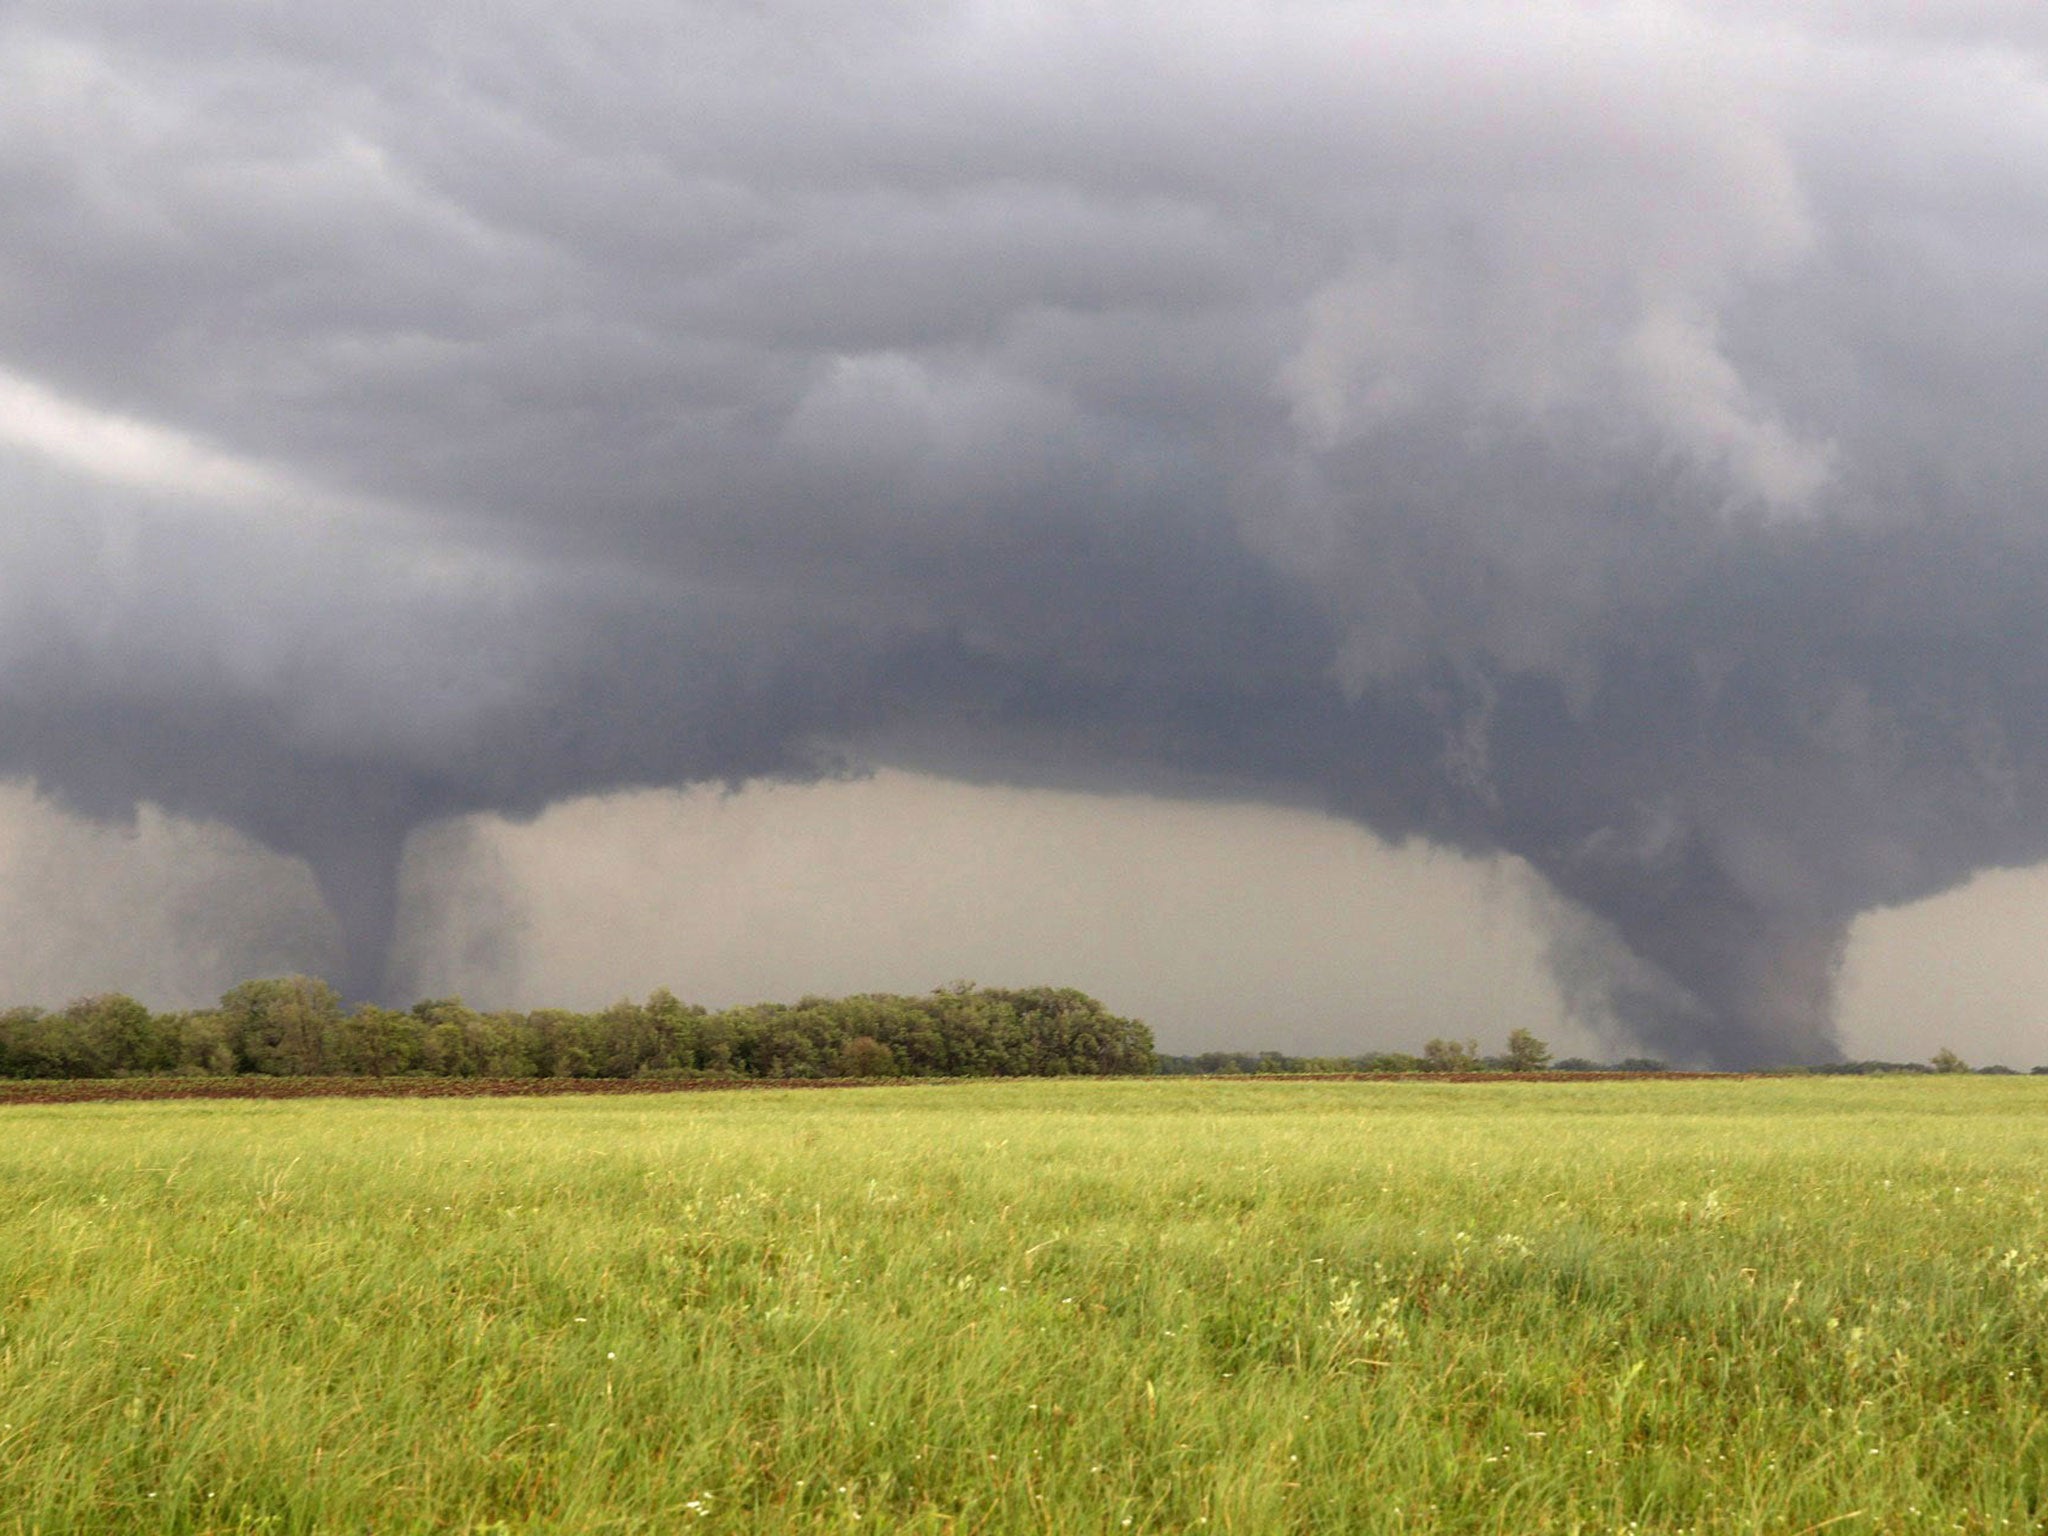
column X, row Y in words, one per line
column 1785, row 1306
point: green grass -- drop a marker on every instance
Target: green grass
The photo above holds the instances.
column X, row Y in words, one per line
column 1061, row 1307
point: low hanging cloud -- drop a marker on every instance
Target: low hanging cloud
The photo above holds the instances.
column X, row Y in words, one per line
column 159, row 907
column 1601, row 435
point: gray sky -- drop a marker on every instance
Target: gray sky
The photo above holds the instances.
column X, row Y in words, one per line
column 1597, row 442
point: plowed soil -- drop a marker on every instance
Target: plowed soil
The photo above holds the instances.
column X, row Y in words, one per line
column 112, row 1089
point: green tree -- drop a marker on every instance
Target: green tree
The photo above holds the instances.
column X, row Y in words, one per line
column 283, row 1025
column 1946, row 1060
column 865, row 1056
column 1451, row 1056
column 560, row 1043
column 29, row 1044
column 376, row 1042
column 675, row 1029
column 112, row 1035
column 204, row 1049
column 448, row 1037
column 1526, row 1053
column 500, row 1045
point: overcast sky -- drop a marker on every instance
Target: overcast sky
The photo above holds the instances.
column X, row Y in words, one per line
column 1199, row 455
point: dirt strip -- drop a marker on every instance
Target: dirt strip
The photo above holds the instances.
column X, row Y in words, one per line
column 114, row 1089
column 120, row 1089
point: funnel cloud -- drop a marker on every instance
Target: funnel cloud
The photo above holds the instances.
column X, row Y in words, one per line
column 1603, row 435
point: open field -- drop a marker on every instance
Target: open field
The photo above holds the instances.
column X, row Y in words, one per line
column 1073, row 1306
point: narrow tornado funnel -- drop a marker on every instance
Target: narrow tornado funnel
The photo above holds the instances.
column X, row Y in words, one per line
column 357, row 871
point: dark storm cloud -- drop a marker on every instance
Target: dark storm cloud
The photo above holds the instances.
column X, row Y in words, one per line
column 1599, row 433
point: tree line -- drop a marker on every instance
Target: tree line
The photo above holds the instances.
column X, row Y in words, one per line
column 297, row 1026
column 1524, row 1052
